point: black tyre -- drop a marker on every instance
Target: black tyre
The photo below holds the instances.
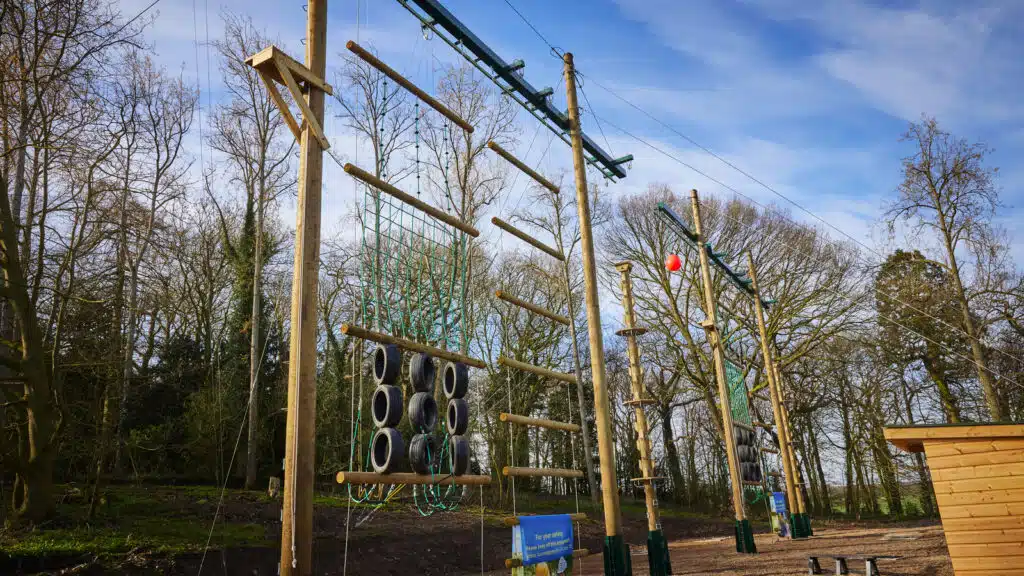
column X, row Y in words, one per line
column 422, row 412
column 423, row 454
column 386, row 406
column 422, row 372
column 458, row 416
column 456, row 379
column 459, row 448
column 387, row 364
column 386, row 451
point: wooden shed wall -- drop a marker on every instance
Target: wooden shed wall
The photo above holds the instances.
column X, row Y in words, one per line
column 979, row 486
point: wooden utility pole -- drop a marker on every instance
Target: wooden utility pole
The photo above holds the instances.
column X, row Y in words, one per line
column 657, row 547
column 616, row 553
column 776, row 398
column 297, row 524
column 744, row 535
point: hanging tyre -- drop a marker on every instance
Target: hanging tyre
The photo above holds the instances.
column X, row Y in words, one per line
column 386, row 451
column 386, row 406
column 422, row 412
column 456, row 379
column 421, row 372
column 423, row 453
column 458, row 446
column 458, row 416
column 387, row 364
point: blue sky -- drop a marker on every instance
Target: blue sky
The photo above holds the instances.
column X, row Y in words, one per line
column 808, row 97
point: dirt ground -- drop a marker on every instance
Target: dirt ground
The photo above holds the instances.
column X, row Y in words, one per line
column 923, row 552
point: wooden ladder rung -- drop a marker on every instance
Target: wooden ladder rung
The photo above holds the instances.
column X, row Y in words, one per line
column 770, row 450
column 758, row 396
column 751, row 483
column 538, row 422
column 411, row 478
column 742, row 425
column 527, row 238
column 514, row 520
column 516, row 562
column 510, row 363
column 519, row 472
column 647, row 479
column 381, row 338
column 631, row 332
column 764, row 425
column 502, row 295
column 522, row 166
column 640, row 402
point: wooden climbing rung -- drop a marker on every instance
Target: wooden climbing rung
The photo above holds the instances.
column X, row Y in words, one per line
column 775, row 474
column 646, row 479
column 360, row 174
column 750, row 483
column 640, row 402
column 410, row 478
column 527, row 238
column 510, row 363
column 742, row 425
column 518, row 472
column 502, row 295
column 764, row 425
column 758, row 396
column 401, row 80
column 516, row 562
column 381, row 338
column 514, row 520
column 638, row 331
column 538, row 422
column 522, row 166
column 770, row 450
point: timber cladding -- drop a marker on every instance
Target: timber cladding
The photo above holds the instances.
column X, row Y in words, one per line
column 977, row 472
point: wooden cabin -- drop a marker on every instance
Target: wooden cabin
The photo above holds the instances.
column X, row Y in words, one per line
column 977, row 471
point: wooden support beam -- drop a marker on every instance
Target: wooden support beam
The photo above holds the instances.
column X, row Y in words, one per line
column 274, row 66
column 764, row 425
column 538, row 422
column 514, row 520
column 527, row 238
column 641, row 402
column 519, row 472
column 510, row 363
column 381, row 338
column 770, row 450
column 522, row 166
column 404, row 83
column 410, row 478
column 647, row 479
column 516, row 562
column 383, row 186
column 502, row 295
column 742, row 425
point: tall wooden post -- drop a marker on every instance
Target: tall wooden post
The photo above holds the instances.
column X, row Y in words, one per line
column 588, row 456
column 616, row 553
column 744, row 535
column 802, row 518
column 657, row 547
column 297, row 524
column 781, row 426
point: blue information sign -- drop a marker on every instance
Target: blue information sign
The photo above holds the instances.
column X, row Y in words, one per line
column 779, row 502
column 545, row 538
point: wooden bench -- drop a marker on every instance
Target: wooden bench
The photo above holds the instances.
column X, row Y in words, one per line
column 870, row 563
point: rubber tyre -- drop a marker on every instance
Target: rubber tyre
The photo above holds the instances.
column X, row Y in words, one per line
column 422, row 412
column 459, row 448
column 386, row 406
column 387, row 450
column 387, row 364
column 457, row 416
column 422, row 372
column 424, row 450
column 456, row 380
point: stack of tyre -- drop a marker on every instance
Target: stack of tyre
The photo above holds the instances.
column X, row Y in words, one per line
column 426, row 449
column 747, row 454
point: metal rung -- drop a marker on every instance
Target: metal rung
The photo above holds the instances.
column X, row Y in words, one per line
column 538, row 422
column 518, row 472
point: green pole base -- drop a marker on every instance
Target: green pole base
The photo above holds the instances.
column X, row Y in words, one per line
column 745, row 538
column 808, row 531
column 657, row 554
column 616, row 557
column 796, row 526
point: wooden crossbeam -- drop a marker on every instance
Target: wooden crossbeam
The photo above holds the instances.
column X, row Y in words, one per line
column 516, row 562
column 510, row 363
column 410, row 478
column 770, row 450
column 383, row 186
column 522, row 166
column 520, row 472
column 538, row 422
column 404, row 83
column 274, row 66
column 514, row 520
column 502, row 295
column 381, row 338
column 527, row 238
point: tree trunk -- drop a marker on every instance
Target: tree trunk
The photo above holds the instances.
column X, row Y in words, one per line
column 826, row 499
column 675, row 468
column 946, row 396
column 255, row 355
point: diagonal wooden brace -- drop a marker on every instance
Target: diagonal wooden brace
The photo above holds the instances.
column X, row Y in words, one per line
column 276, row 67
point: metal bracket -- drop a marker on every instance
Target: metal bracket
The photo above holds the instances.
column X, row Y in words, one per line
column 276, row 67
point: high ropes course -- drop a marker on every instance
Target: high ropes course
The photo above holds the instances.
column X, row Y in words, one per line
column 411, row 323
